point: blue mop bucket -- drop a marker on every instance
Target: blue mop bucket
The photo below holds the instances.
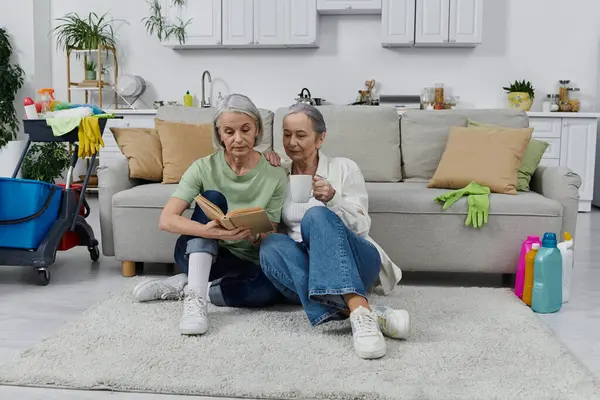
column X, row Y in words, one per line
column 27, row 211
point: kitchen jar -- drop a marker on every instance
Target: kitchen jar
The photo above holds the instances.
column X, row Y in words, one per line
column 427, row 98
column 439, row 96
column 563, row 95
column 551, row 103
column 574, row 100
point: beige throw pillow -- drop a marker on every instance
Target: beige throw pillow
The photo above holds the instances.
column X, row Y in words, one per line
column 141, row 147
column 182, row 144
column 490, row 156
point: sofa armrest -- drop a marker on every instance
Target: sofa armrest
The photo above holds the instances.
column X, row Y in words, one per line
column 112, row 178
column 560, row 184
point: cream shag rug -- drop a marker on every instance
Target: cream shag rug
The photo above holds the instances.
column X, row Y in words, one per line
column 467, row 343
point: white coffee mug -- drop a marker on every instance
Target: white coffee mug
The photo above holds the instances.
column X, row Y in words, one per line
column 301, row 188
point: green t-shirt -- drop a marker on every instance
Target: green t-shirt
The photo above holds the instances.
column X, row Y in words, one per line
column 264, row 186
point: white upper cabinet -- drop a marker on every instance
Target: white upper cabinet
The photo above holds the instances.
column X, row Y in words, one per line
column 205, row 19
column 398, row 23
column 301, row 23
column 238, row 22
column 349, row 6
column 269, row 22
column 432, row 22
column 466, row 17
column 449, row 22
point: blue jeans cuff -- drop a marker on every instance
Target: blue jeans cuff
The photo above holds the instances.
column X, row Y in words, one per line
column 202, row 245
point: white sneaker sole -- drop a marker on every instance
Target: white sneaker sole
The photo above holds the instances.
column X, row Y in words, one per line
column 192, row 331
column 370, row 355
column 140, row 286
column 403, row 331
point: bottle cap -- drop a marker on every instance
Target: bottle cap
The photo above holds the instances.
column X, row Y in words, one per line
column 28, row 101
column 188, row 92
column 568, row 236
column 549, row 240
column 535, row 246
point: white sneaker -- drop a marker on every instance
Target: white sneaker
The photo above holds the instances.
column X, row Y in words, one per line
column 393, row 323
column 160, row 289
column 368, row 339
column 195, row 318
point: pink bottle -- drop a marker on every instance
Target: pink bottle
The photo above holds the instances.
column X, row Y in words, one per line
column 525, row 248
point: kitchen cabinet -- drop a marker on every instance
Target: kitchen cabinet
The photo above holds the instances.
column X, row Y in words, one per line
column 572, row 139
column 204, row 29
column 349, row 6
column 238, row 22
column 398, row 23
column 448, row 23
column 269, row 23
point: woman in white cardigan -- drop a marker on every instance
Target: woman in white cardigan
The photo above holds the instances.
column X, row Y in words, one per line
column 327, row 261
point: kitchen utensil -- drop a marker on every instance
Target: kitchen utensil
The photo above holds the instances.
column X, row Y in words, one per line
column 319, row 101
column 305, row 98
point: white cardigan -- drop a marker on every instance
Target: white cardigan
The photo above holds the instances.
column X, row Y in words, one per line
column 351, row 204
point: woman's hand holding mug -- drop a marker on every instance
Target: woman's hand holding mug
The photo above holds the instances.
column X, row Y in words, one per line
column 322, row 190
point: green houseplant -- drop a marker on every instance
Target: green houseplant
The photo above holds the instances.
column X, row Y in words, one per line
column 46, row 161
column 90, row 71
column 520, row 94
column 157, row 23
column 84, row 33
column 11, row 80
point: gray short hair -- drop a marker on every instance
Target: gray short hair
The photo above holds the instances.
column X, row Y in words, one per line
column 236, row 102
column 313, row 114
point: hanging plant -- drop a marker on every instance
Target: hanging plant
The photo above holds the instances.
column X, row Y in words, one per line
column 46, row 161
column 157, row 24
column 11, row 80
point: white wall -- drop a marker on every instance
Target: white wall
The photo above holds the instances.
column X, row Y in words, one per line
column 539, row 40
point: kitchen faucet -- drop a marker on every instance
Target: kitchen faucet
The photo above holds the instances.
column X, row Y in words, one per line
column 205, row 103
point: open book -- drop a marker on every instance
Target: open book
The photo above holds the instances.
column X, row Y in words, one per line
column 253, row 218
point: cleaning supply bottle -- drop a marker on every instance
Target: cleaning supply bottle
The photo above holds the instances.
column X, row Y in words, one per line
column 188, row 100
column 566, row 251
column 529, row 270
column 30, row 109
column 46, row 97
column 546, row 296
column 520, row 278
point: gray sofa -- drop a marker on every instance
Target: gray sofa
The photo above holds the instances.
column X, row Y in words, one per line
column 397, row 156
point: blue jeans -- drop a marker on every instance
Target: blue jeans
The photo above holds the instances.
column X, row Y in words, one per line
column 235, row 282
column 330, row 262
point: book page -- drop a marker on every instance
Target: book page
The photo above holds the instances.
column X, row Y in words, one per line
column 257, row 221
column 212, row 211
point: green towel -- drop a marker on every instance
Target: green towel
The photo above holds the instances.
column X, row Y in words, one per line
column 63, row 125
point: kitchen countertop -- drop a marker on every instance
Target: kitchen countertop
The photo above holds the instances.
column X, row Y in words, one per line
column 563, row 114
column 149, row 111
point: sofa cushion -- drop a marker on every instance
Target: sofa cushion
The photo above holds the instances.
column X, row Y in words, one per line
column 152, row 195
column 195, row 115
column 182, row 144
column 369, row 136
column 142, row 148
column 424, row 134
column 489, row 155
column 417, row 198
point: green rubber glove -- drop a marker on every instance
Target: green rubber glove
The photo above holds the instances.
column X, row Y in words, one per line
column 479, row 205
column 452, row 197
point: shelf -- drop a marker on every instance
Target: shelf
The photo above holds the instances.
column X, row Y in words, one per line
column 89, row 88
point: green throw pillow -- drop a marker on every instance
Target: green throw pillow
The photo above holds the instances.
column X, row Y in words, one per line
column 531, row 159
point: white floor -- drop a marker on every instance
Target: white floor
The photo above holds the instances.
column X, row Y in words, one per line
column 29, row 313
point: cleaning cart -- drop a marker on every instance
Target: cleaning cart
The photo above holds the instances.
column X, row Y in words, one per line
column 36, row 217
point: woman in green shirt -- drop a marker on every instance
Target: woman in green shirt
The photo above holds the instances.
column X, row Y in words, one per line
column 235, row 176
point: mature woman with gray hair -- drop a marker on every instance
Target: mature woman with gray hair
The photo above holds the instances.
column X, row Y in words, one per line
column 235, row 176
column 327, row 261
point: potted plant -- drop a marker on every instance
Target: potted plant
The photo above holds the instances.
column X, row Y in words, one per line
column 90, row 71
column 11, row 80
column 157, row 23
column 84, row 33
column 520, row 95
column 46, row 161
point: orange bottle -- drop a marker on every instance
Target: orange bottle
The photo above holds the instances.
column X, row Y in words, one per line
column 529, row 261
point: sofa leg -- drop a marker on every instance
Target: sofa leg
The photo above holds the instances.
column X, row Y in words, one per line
column 128, row 269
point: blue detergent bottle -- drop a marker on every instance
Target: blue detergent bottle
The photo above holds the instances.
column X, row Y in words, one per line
column 547, row 277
